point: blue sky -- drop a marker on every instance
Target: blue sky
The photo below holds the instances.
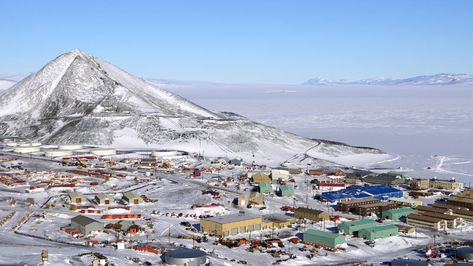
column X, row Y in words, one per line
column 252, row 41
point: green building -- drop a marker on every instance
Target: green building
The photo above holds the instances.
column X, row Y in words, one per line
column 85, row 224
column 376, row 232
column 265, row 188
column 328, row 239
column 397, row 173
column 396, row 214
column 354, row 226
column 286, row 191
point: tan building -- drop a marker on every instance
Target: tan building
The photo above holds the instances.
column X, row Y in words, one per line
column 229, row 225
column 426, row 221
column 311, row 214
column 403, row 202
column 260, row 178
column 131, row 198
column 453, row 221
column 445, row 184
column 77, row 198
column 104, row 199
column 352, row 181
column 277, row 221
column 463, row 199
column 421, row 184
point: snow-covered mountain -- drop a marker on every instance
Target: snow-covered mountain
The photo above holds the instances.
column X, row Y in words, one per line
column 437, row 79
column 78, row 98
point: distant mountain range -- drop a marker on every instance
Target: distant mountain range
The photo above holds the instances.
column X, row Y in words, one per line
column 8, row 81
column 437, row 79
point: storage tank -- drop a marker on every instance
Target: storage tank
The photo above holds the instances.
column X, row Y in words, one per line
column 57, row 153
column 165, row 153
column 70, row 147
column 104, row 152
column 185, row 256
column 26, row 149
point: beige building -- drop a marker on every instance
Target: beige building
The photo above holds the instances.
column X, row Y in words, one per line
column 406, row 202
column 261, row 178
column 77, row 198
column 421, row 184
column 279, row 173
column 131, row 198
column 229, row 225
column 277, row 221
column 311, row 214
column 104, row 199
column 426, row 221
column 453, row 221
column 463, row 199
column 446, row 184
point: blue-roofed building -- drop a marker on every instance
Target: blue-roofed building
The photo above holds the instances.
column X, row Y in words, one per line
column 359, row 192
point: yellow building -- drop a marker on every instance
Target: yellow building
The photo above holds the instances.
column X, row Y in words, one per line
column 420, row 184
column 261, row 178
column 233, row 224
column 436, row 183
column 446, row 184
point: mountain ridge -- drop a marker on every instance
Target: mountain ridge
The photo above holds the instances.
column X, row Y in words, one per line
column 78, row 98
column 435, row 79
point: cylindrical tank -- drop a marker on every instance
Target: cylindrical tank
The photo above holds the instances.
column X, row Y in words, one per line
column 185, row 256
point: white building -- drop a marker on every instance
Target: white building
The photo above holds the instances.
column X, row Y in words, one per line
column 57, row 153
column 279, row 173
column 70, row 147
column 26, row 149
column 104, row 152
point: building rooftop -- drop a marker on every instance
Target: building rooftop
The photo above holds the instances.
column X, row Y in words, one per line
column 324, row 234
column 304, row 209
column 399, row 210
column 130, row 195
column 375, row 229
column 232, row 218
column 424, row 218
column 358, row 222
column 356, row 192
column 103, row 196
column 358, row 200
column 75, row 194
column 83, row 220
column 277, row 218
column 186, row 253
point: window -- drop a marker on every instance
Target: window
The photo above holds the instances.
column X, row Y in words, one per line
column 242, row 229
column 258, row 227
